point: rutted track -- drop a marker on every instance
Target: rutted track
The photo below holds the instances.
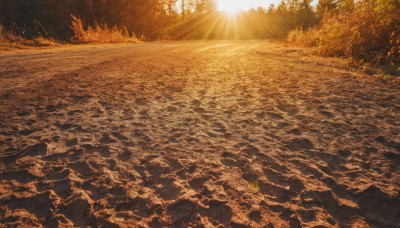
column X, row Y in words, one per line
column 187, row 133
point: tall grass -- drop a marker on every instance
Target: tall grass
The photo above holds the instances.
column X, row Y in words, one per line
column 10, row 39
column 99, row 34
column 369, row 31
column 14, row 38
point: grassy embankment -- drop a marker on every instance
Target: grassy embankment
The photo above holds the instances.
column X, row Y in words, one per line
column 367, row 33
column 10, row 39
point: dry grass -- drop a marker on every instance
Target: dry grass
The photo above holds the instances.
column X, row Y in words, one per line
column 367, row 33
column 99, row 34
column 11, row 40
column 311, row 38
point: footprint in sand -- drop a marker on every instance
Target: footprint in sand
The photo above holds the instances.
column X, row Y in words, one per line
column 260, row 115
column 196, row 103
column 168, row 188
column 274, row 115
column 299, row 144
column 199, row 110
column 142, row 101
column 107, row 139
column 172, row 109
column 219, row 127
column 327, row 114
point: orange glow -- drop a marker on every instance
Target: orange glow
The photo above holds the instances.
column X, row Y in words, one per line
column 235, row 6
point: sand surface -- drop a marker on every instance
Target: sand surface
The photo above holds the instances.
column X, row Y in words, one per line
column 238, row 134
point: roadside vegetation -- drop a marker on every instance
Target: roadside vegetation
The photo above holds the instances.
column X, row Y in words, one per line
column 13, row 40
column 99, row 34
column 367, row 32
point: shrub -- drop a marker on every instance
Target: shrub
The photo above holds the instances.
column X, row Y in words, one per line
column 10, row 39
column 2, row 36
column 369, row 31
column 310, row 38
column 99, row 34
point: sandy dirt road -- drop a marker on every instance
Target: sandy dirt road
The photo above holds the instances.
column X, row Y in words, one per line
column 177, row 134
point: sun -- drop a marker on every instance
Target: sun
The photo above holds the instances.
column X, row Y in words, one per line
column 233, row 6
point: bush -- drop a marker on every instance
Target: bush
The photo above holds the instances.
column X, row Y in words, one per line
column 10, row 39
column 309, row 38
column 99, row 34
column 369, row 31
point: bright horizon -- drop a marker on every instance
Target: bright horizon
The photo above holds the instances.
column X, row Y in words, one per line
column 233, row 6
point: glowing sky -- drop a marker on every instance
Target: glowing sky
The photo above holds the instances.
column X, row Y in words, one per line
column 237, row 5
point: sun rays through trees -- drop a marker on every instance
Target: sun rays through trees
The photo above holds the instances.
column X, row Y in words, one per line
column 153, row 19
column 361, row 29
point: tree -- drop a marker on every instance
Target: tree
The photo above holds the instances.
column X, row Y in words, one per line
column 305, row 15
column 326, row 6
column 203, row 6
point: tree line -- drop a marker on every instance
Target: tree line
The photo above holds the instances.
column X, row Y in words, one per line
column 53, row 18
column 362, row 29
column 150, row 18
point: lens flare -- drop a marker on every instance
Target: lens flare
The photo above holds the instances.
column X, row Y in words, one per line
column 234, row 6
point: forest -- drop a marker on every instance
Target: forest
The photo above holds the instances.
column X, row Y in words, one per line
column 366, row 29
